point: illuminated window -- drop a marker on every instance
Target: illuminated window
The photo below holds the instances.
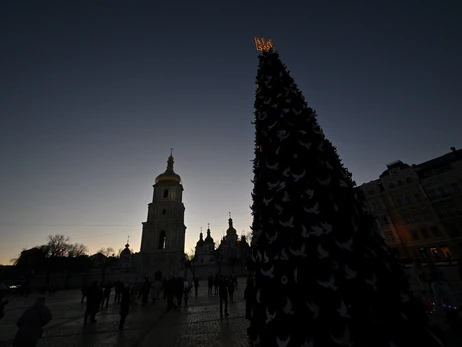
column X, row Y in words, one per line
column 165, row 193
column 389, row 236
column 435, row 253
column 446, row 252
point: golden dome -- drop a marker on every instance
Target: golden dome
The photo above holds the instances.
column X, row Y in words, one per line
column 169, row 176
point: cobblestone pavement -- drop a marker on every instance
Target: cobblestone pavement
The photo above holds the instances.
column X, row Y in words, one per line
column 199, row 324
column 67, row 330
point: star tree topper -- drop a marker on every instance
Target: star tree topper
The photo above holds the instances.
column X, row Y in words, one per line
column 263, row 45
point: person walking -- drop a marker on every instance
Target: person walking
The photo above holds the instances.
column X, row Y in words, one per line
column 94, row 297
column 187, row 290
column 31, row 324
column 170, row 289
column 196, row 286
column 223, row 292
column 145, row 290
column 119, row 286
column 106, row 294
column 155, row 291
column 179, row 290
column 124, row 305
column 230, row 288
column 210, row 283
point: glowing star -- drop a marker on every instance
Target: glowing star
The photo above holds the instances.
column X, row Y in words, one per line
column 263, row 45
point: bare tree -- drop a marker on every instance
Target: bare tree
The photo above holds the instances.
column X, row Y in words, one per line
column 107, row 251
column 58, row 245
column 77, row 250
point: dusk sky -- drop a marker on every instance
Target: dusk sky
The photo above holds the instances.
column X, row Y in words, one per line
column 95, row 93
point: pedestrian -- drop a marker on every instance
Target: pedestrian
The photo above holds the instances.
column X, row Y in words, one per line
column 31, row 324
column 3, row 304
column 196, row 285
column 106, row 294
column 223, row 292
column 170, row 289
column 164, row 287
column 216, row 283
column 249, row 296
column 84, row 291
column 179, row 290
column 210, row 283
column 119, row 286
column 94, row 297
column 124, row 305
column 230, row 288
column 155, row 291
column 187, row 289
column 145, row 289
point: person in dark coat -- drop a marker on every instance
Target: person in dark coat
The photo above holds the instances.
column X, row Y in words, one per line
column 216, row 284
column 3, row 304
column 223, row 292
column 249, row 296
column 94, row 297
column 170, row 290
column 31, row 324
column 210, row 282
column 145, row 290
column 106, row 294
column 230, row 288
column 124, row 305
column 84, row 291
column 196, row 285
column 119, row 286
column 179, row 290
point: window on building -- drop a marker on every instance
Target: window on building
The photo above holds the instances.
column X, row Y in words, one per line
column 408, row 199
column 395, row 251
column 423, row 254
column 389, row 236
column 446, row 252
column 400, row 182
column 202, row 260
column 455, row 186
column 432, row 194
column 371, row 192
column 417, row 197
column 391, row 185
column 408, row 180
column 165, row 193
column 442, row 192
column 162, row 240
column 211, row 259
column 399, row 202
column 435, row 253
column 164, row 211
column 452, row 211
column 436, row 231
column 417, row 217
column 424, row 232
column 415, row 234
column 407, row 218
column 427, row 214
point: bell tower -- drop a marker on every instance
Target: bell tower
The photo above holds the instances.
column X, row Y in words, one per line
column 163, row 238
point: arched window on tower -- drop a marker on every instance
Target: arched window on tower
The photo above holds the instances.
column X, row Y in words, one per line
column 162, row 240
column 165, row 193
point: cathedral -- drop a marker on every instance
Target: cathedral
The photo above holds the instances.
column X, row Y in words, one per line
column 163, row 237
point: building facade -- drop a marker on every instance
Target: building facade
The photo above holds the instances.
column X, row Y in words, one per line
column 163, row 237
column 418, row 208
column 205, row 250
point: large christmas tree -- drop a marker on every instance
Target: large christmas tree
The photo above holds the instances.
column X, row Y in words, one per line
column 324, row 275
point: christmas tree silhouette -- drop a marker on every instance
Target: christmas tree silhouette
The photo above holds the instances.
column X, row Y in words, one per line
column 324, row 276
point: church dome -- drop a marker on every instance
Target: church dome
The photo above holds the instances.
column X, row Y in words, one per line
column 209, row 238
column 169, row 176
column 231, row 230
column 201, row 242
column 126, row 251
